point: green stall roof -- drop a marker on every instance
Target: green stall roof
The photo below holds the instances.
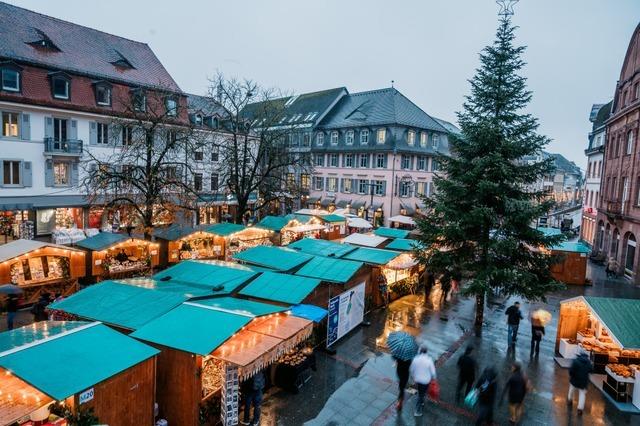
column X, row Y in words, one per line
column 278, row 287
column 620, row 316
column 34, row 332
column 549, row 231
column 224, row 229
column 174, row 232
column 391, row 232
column 188, row 290
column 329, row 269
column 122, row 305
column 403, row 244
column 241, row 306
column 274, row 223
column 212, row 273
column 333, row 218
column 319, row 247
column 572, row 246
column 193, row 328
column 278, row 258
column 69, row 363
column 102, row 241
column 372, row 255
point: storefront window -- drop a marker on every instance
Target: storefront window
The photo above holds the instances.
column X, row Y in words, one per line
column 39, row 268
column 60, row 173
column 631, row 254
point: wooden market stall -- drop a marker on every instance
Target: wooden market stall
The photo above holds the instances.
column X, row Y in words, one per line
column 608, row 330
column 293, row 227
column 335, row 226
column 365, row 240
column 276, row 258
column 39, row 267
column 179, row 242
column 81, row 364
column 113, row 256
column 391, row 232
column 237, row 238
column 572, row 267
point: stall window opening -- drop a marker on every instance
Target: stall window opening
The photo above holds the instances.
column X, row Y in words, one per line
column 60, row 173
column 11, row 172
column 10, row 124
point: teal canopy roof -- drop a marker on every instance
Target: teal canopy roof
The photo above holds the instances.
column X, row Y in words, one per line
column 119, row 304
column 621, row 317
column 549, row 231
column 574, row 247
column 403, row 244
column 282, row 288
column 193, row 328
column 174, row 232
column 70, row 363
column 391, row 232
column 329, row 269
column 102, row 241
column 241, row 306
column 224, row 229
column 214, row 274
column 273, row 223
column 277, row 258
column 319, row 247
column 371, row 255
column 331, row 218
column 188, row 290
column 34, row 332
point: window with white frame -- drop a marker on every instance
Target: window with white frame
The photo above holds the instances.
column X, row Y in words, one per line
column 436, row 141
column 318, row 183
column 319, row 160
column 306, row 139
column 103, row 94
column 10, row 79
column 215, row 155
column 334, row 138
column 127, row 135
column 333, row 160
column 382, row 136
column 348, row 160
column 172, row 106
column 364, row 161
column 10, row 124
column 349, row 137
column 332, row 184
column 346, row 186
column 405, row 189
column 11, row 172
column 60, row 87
column 434, row 165
column 411, row 138
column 363, row 186
column 364, row 136
column 630, row 142
column 405, row 162
column 60, row 129
column 305, row 181
column 423, row 139
column 198, row 155
column 380, row 161
column 197, row 181
column 320, row 139
column 421, row 188
column 102, row 133
column 61, row 173
column 378, row 187
column 422, row 162
column 139, row 101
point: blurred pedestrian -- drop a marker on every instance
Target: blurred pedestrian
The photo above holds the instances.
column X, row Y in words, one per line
column 611, row 268
column 253, row 396
column 517, row 387
column 39, row 309
column 12, row 310
column 467, row 367
column 537, row 331
column 402, row 370
column 513, row 323
column 579, row 379
column 487, row 386
column 423, row 371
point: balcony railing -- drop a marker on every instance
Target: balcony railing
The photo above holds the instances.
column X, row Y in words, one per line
column 618, row 208
column 66, row 147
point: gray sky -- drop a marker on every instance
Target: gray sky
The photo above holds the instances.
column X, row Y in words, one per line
column 430, row 48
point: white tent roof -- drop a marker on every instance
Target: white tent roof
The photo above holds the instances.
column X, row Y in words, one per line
column 358, row 222
column 305, row 228
column 403, row 219
column 313, row 212
column 19, row 247
column 365, row 240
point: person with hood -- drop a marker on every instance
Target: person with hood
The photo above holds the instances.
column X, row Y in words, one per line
column 487, row 386
column 39, row 309
column 423, row 371
column 513, row 322
column 253, row 395
column 579, row 379
column 517, row 387
column 467, row 366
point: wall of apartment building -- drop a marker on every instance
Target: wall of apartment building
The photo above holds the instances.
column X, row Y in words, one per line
column 591, row 197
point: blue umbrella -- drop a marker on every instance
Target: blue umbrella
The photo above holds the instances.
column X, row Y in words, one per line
column 10, row 289
column 402, row 345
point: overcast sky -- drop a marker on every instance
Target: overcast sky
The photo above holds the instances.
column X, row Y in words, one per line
column 430, row 48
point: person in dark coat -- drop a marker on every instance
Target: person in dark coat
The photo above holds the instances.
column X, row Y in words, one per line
column 253, row 395
column 579, row 379
column 487, row 390
column 39, row 309
column 516, row 387
column 513, row 322
column 402, row 370
column 467, row 366
column 12, row 310
column 537, row 331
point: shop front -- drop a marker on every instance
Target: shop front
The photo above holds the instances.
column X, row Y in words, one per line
column 237, row 238
column 178, row 242
column 15, row 224
column 335, row 226
column 572, row 265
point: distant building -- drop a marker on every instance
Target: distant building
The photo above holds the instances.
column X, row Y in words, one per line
column 563, row 184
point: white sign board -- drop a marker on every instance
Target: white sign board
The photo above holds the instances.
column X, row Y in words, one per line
column 346, row 311
column 230, row 394
column 85, row 396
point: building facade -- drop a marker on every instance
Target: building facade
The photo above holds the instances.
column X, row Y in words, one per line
column 618, row 219
column 595, row 157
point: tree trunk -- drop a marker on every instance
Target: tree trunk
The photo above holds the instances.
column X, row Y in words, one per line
column 479, row 314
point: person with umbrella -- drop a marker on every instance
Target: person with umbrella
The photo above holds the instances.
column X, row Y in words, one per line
column 403, row 348
column 539, row 319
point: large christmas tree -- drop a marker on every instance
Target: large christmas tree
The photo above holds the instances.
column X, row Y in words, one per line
column 481, row 220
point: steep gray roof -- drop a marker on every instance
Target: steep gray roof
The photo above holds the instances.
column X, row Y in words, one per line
column 452, row 128
column 204, row 105
column 78, row 49
column 601, row 115
column 379, row 107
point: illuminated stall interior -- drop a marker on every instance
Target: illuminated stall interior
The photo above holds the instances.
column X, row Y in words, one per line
column 238, row 238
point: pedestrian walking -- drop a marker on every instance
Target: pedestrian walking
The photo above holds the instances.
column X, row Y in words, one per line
column 423, row 371
column 403, row 348
column 513, row 322
column 579, row 379
column 517, row 387
column 402, row 370
column 39, row 309
column 537, row 331
column 467, row 367
column 487, row 390
column 12, row 310
column 253, row 396
column 611, row 268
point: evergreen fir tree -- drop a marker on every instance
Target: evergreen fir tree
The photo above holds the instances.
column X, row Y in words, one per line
column 481, row 220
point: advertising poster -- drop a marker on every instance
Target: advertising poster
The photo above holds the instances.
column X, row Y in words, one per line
column 346, row 311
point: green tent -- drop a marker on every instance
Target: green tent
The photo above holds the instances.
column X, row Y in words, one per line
column 319, row 247
column 102, row 241
column 329, row 269
column 278, row 258
column 223, row 229
column 284, row 288
column 620, row 316
column 572, row 246
column 223, row 277
column 62, row 363
column 273, row 223
column 371, row 256
column 403, row 244
column 391, row 232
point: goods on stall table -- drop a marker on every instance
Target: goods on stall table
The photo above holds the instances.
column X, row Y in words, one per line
column 568, row 348
column 212, row 376
column 585, row 334
column 623, row 372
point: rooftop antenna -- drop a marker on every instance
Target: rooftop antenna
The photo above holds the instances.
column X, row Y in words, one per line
column 506, row 7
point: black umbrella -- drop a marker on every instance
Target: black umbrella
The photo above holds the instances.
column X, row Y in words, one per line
column 10, row 289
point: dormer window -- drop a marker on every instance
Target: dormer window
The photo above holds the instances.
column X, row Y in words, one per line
column 411, row 138
column 215, row 122
column 139, row 101
column 10, row 77
column 44, row 42
column 122, row 62
column 103, row 93
column 198, row 120
column 60, row 86
column 172, row 106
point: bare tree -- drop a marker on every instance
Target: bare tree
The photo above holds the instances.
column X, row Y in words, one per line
column 255, row 147
column 142, row 158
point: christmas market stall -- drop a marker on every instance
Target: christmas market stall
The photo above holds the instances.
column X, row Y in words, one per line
column 322, row 247
column 238, row 238
column 277, row 258
column 391, row 232
column 335, row 226
column 82, row 366
column 112, row 256
column 402, row 221
column 208, row 347
column 300, row 226
column 365, row 240
column 38, row 267
column 607, row 329
column 572, row 265
column 179, row 242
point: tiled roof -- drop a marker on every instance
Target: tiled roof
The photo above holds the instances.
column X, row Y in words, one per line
column 603, row 113
column 82, row 50
column 204, row 105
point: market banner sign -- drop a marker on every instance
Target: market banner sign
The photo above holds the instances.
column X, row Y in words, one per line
column 346, row 311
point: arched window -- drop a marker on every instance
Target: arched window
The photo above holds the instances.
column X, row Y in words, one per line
column 630, row 254
column 615, row 243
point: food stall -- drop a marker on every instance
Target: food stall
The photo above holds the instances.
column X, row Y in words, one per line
column 335, row 226
column 365, row 240
column 608, row 329
column 572, row 267
column 277, row 258
column 83, row 365
column 39, row 267
column 179, row 242
column 112, row 256
column 238, row 238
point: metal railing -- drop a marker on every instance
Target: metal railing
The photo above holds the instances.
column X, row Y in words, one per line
column 70, row 146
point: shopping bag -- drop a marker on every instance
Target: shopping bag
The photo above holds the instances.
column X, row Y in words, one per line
column 434, row 390
column 472, row 398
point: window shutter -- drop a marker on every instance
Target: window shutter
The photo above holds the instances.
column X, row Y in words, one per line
column 341, row 185
column 25, row 127
column 48, row 173
column 73, row 130
column 93, row 133
column 26, row 173
column 385, row 160
column 48, row 127
column 384, row 188
column 1, row 173
column 74, row 174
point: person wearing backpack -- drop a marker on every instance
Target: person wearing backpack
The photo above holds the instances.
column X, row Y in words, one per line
column 537, row 331
column 487, row 386
column 517, row 387
column 253, row 395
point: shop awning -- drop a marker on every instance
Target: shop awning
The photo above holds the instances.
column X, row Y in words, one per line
column 282, row 288
column 68, row 361
column 174, row 232
column 310, row 312
column 42, row 202
column 358, row 204
column 220, row 277
column 572, row 247
column 358, row 222
column 118, row 304
column 343, row 204
column 403, row 244
column 326, row 202
column 103, row 241
column 333, row 218
column 224, row 229
column 371, row 256
column 329, row 269
column 405, row 220
column 278, row 258
column 365, row 240
column 312, row 200
column 391, row 232
column 409, row 211
column 318, row 247
column 273, row 223
column 19, row 247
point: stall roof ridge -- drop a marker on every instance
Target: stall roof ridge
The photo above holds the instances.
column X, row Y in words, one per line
column 330, row 269
column 19, row 247
column 102, row 241
column 621, row 317
column 279, row 287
